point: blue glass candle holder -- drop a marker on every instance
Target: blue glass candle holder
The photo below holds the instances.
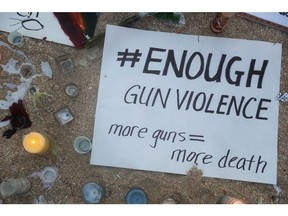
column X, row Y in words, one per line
column 92, row 193
column 136, row 196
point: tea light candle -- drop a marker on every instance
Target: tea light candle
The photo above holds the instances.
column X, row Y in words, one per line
column 36, row 143
column 16, row 38
column 49, row 174
column 136, row 196
column 82, row 144
column 93, row 193
column 65, row 116
column 71, row 90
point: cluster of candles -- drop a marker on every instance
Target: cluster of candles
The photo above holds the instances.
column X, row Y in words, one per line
column 92, row 192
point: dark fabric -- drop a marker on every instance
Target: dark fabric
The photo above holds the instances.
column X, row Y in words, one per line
column 18, row 115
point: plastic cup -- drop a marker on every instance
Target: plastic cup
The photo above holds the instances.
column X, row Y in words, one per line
column 71, row 90
column 49, row 174
column 27, row 70
column 136, row 196
column 92, row 193
column 18, row 122
column 11, row 187
column 82, row 144
column 65, row 116
column 16, row 39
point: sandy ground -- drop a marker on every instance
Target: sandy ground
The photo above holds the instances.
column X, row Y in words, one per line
column 74, row 168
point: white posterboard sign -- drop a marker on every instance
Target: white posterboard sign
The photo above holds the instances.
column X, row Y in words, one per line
column 168, row 102
column 280, row 18
column 39, row 25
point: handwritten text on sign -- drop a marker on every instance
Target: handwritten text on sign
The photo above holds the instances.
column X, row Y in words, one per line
column 167, row 102
column 42, row 25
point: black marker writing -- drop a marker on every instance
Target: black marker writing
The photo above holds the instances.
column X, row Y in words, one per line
column 193, row 66
column 148, row 97
column 246, row 107
column 199, row 138
column 121, row 130
column 194, row 157
column 250, row 164
column 127, row 56
column 167, row 136
column 31, row 24
column 284, row 13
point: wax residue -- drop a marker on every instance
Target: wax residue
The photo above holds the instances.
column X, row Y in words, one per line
column 15, row 51
column 19, row 94
column 46, row 184
column 11, row 68
column 10, row 85
column 4, row 123
column 16, row 96
column 46, row 69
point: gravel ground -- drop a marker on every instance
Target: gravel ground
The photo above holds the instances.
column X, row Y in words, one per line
column 74, row 168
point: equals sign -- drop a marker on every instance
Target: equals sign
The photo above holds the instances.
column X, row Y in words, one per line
column 196, row 138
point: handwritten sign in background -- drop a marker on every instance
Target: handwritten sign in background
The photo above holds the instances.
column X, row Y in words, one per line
column 280, row 18
column 35, row 25
column 160, row 106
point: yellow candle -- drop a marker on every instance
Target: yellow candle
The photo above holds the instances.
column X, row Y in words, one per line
column 37, row 143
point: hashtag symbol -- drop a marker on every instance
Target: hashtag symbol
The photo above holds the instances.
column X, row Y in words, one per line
column 133, row 57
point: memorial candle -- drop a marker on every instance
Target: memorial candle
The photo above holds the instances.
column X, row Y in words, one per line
column 37, row 143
